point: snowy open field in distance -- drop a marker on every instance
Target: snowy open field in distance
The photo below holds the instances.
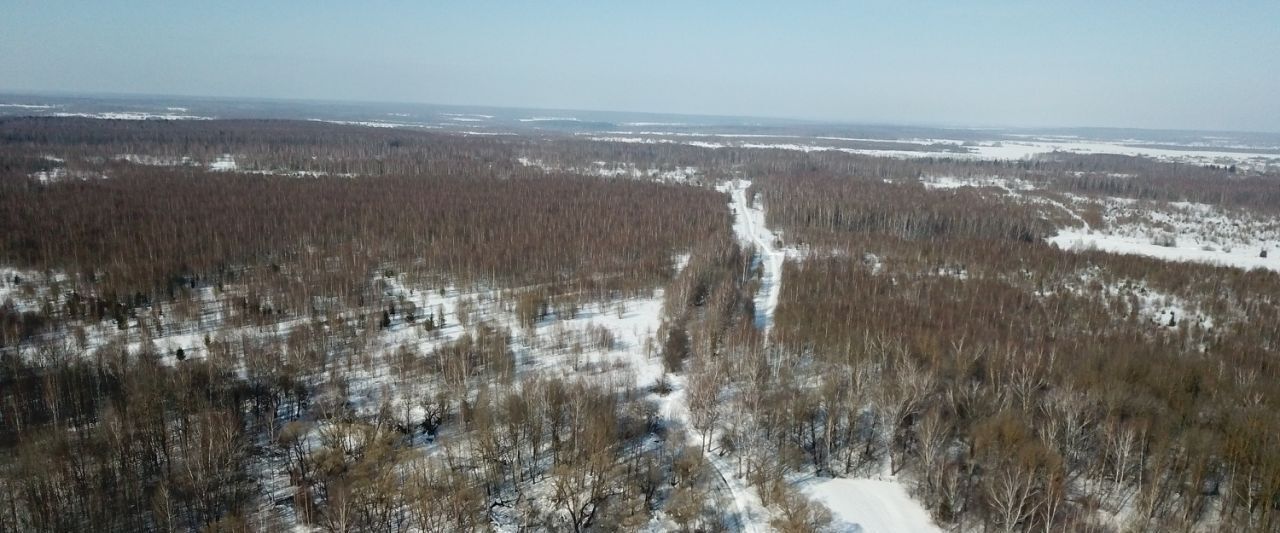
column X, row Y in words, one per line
column 1176, row 231
column 1172, row 231
column 1184, row 250
column 981, row 150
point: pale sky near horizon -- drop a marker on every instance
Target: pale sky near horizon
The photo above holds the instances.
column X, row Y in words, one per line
column 1171, row 64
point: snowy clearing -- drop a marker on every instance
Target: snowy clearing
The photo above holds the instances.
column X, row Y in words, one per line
column 1171, row 231
column 952, row 182
column 27, row 106
column 223, row 163
column 1175, row 231
column 374, row 123
column 129, row 115
column 1069, row 239
column 549, row 119
column 455, row 116
column 607, row 169
column 869, row 505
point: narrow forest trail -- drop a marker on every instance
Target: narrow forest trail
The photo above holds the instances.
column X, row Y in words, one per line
column 749, row 225
column 748, row 514
column 1070, row 212
column 1080, row 219
column 870, row 505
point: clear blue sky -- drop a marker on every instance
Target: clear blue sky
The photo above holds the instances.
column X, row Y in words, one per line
column 1168, row 64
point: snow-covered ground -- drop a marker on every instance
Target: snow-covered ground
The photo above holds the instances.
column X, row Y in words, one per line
column 1172, row 231
column 1177, row 231
column 1161, row 310
column 299, row 173
column 24, row 289
column 748, row 513
column 152, row 160
column 223, row 163
column 474, row 116
column 951, row 182
column 27, row 106
column 1191, row 154
column 606, row 169
column 1182, row 250
column 129, row 115
column 549, row 119
column 61, row 174
column 869, row 505
column 374, row 123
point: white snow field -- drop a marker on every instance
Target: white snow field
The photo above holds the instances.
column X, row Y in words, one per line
column 224, row 163
column 1170, row 231
column 130, row 115
column 27, row 106
column 606, row 169
column 549, row 119
column 1246, row 258
column 869, row 506
column 1178, row 231
column 374, row 123
column 986, row 150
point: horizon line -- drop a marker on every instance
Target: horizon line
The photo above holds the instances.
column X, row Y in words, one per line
column 800, row 120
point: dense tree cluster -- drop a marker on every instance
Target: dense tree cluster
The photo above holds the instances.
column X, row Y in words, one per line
column 155, row 230
column 817, row 208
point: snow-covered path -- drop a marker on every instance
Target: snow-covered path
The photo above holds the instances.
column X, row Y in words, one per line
column 749, row 225
column 748, row 514
column 858, row 505
column 1072, row 212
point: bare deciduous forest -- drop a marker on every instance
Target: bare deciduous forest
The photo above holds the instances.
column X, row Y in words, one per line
column 256, row 325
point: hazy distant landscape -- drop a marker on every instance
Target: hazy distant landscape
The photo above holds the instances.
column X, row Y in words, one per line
column 1254, row 151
